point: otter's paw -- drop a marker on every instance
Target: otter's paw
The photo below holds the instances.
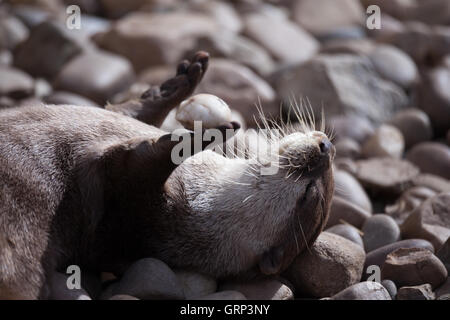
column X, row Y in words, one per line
column 180, row 87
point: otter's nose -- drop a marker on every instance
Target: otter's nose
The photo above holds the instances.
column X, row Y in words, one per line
column 325, row 146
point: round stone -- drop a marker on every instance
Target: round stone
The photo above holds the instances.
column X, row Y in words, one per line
column 379, row 230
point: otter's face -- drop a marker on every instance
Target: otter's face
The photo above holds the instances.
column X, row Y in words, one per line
column 305, row 169
column 227, row 218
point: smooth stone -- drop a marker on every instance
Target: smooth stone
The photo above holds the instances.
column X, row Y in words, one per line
column 378, row 256
column 12, row 31
column 389, row 176
column 387, row 141
column 420, row 292
column 42, row 88
column 224, row 295
column 6, row 57
column 348, row 188
column 269, row 289
column 431, row 157
column 241, row 87
column 379, row 230
column 237, row 48
column 15, row 83
column 97, row 75
column 337, row 84
column 347, row 148
column 223, row 13
column 354, row 127
column 196, row 285
column 333, row 15
column 348, row 232
column 433, row 182
column 430, row 221
column 367, row 290
column 349, row 46
column 151, row 39
column 415, row 126
column 150, row 279
column 60, row 291
column 443, row 289
column 394, row 65
column 390, row 287
column 63, row 97
column 6, row 102
column 266, row 31
column 413, row 266
column 332, row 264
column 444, row 254
column 414, row 39
column 407, row 202
column 434, row 97
column 30, row 15
column 47, row 60
column 343, row 211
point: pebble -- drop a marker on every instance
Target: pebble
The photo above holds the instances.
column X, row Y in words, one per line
column 207, row 108
column 269, row 289
column 348, row 188
column 434, row 97
column 430, row 221
column 196, row 285
column 353, row 127
column 390, row 286
column 341, row 82
column 97, row 75
column 413, row 266
column 266, row 31
column 347, row 148
column 444, row 254
column 388, row 176
column 379, row 230
column 151, row 39
column 367, row 290
column 387, row 141
column 421, row 292
column 343, row 211
column 241, row 86
column 407, row 202
column 394, row 65
column 149, row 279
column 60, row 291
column 46, row 61
column 348, row 232
column 334, row 15
column 238, row 48
column 12, row 31
column 443, row 289
column 15, row 83
column 431, row 157
column 332, row 264
column 415, row 126
column 378, row 256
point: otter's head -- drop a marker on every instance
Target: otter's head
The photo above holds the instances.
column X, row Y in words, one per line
column 234, row 214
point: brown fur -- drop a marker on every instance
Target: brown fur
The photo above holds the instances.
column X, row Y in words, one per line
column 87, row 186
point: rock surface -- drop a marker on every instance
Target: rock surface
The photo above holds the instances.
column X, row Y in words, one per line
column 413, row 266
column 332, row 264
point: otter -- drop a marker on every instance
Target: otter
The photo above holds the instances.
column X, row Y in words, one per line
column 97, row 188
